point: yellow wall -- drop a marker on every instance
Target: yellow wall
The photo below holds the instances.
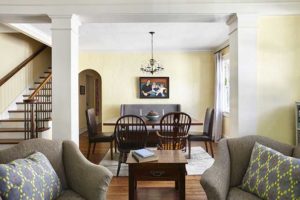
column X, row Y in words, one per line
column 191, row 79
column 278, row 76
column 15, row 48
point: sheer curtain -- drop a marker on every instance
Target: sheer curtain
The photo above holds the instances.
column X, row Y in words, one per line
column 217, row 129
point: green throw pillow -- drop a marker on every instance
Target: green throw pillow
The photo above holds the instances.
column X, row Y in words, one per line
column 272, row 175
column 29, row 178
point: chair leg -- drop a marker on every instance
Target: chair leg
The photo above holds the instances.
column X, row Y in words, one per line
column 211, row 149
column 115, row 145
column 88, row 154
column 119, row 164
column 206, row 146
column 94, row 147
column 111, row 150
column 189, row 144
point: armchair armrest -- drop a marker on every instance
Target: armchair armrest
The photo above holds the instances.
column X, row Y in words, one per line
column 216, row 180
column 89, row 180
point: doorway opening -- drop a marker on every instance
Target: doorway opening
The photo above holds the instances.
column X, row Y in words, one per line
column 90, row 96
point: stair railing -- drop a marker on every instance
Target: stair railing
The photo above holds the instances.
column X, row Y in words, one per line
column 38, row 108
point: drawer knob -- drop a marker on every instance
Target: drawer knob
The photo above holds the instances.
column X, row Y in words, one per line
column 157, row 173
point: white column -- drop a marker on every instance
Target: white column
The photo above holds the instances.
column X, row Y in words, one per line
column 243, row 90
column 65, row 77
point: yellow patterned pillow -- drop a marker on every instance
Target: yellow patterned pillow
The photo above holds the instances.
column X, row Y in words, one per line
column 272, row 175
column 29, row 178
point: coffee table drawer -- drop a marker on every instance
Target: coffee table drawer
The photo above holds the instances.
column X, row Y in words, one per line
column 154, row 173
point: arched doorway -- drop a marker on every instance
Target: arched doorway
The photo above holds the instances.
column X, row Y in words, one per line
column 90, row 96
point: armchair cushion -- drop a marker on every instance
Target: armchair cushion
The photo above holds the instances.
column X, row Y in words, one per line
column 69, row 195
column 272, row 175
column 29, row 178
column 236, row 193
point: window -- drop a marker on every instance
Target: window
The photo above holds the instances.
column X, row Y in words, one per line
column 226, row 83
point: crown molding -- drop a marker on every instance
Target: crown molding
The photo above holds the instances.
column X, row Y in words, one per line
column 94, row 12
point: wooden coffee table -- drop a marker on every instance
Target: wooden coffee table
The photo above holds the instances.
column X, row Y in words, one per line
column 170, row 166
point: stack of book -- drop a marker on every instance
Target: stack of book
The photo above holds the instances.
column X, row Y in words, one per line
column 144, row 155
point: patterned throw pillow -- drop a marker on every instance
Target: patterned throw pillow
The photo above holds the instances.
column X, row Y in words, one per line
column 272, row 175
column 29, row 178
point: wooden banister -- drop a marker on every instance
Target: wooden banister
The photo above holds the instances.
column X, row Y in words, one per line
column 21, row 65
column 41, row 86
column 37, row 108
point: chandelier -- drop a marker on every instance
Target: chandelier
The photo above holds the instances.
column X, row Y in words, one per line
column 153, row 66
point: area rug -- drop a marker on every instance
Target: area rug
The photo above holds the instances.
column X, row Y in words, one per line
column 199, row 162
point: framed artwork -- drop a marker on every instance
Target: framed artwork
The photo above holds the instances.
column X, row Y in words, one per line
column 154, row 87
column 82, row 90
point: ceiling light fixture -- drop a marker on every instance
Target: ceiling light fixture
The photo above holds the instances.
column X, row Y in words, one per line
column 153, row 66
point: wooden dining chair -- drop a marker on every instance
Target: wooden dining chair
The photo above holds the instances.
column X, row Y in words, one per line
column 131, row 134
column 206, row 135
column 95, row 133
column 174, row 128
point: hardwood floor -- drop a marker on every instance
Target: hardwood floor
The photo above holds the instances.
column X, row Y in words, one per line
column 147, row 190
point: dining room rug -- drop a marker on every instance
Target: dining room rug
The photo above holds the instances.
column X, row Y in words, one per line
column 199, row 162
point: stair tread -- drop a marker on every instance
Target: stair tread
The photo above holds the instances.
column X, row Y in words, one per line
column 19, row 120
column 16, row 111
column 39, row 82
column 41, row 89
column 36, row 103
column 12, row 129
column 10, row 141
column 27, row 95
column 20, row 129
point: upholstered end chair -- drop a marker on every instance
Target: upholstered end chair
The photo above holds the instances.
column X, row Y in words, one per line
column 80, row 178
column 221, row 181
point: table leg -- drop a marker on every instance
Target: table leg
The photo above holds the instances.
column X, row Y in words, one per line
column 182, row 183
column 131, row 184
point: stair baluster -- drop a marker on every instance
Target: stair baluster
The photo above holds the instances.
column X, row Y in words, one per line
column 38, row 108
column 30, row 123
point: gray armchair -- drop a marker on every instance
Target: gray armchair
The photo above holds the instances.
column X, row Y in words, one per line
column 80, row 178
column 221, row 181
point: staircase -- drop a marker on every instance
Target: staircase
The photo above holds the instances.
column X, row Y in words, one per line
column 32, row 116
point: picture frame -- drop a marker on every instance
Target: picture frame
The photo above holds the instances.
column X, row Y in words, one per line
column 82, row 90
column 154, row 87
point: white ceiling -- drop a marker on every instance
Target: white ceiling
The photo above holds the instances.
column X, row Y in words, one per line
column 136, row 37
column 118, row 25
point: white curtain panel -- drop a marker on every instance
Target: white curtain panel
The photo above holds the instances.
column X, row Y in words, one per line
column 217, row 128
